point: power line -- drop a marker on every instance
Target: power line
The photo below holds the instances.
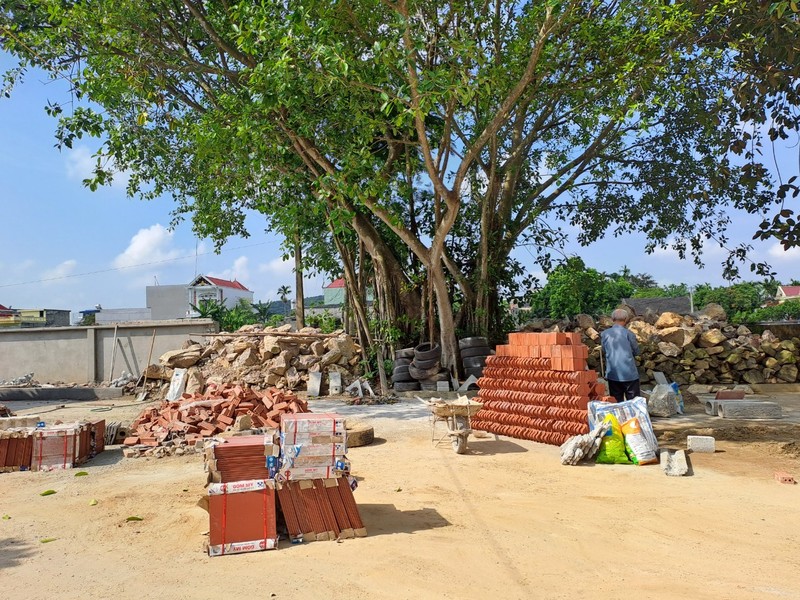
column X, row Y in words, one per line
column 113, row 269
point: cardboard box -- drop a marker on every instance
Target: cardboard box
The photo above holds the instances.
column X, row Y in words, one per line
column 325, row 423
column 242, row 517
column 298, row 473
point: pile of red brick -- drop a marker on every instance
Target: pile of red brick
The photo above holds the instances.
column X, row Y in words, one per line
column 537, row 388
column 198, row 416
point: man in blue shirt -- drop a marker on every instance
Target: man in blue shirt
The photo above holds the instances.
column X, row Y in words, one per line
column 620, row 347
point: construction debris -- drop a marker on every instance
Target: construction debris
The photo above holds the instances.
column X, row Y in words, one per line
column 261, row 358
column 198, row 416
column 22, row 381
column 5, row 411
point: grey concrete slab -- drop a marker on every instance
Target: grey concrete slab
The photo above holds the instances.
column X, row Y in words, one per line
column 701, row 443
column 739, row 409
column 674, row 463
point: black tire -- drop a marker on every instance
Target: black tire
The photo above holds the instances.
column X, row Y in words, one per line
column 473, row 342
column 403, row 379
column 475, row 351
column 428, row 387
column 477, row 371
column 404, row 353
column 402, row 362
column 425, row 365
column 427, row 351
column 440, row 376
column 400, row 370
column 474, row 362
column 419, row 374
column 406, row 386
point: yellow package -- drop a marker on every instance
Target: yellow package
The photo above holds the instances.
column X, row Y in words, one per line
column 612, row 446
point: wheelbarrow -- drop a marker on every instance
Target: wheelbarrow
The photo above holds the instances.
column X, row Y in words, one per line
column 456, row 414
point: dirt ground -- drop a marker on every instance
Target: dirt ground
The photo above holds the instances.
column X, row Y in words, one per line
column 505, row 520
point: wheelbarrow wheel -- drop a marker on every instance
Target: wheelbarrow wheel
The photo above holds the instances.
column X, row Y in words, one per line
column 460, row 441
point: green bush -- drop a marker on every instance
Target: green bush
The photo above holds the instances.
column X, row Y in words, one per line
column 787, row 311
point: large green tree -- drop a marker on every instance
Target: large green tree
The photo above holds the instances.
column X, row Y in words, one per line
column 432, row 137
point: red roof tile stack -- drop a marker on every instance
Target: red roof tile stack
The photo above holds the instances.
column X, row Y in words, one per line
column 242, row 517
column 537, row 388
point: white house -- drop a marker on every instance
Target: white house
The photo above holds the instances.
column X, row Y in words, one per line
column 223, row 291
column 787, row 292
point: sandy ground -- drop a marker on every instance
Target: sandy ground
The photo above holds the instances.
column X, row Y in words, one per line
column 504, row 520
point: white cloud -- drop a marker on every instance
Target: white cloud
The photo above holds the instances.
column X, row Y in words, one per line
column 80, row 165
column 277, row 266
column 150, row 245
column 239, row 271
column 777, row 252
column 61, row 270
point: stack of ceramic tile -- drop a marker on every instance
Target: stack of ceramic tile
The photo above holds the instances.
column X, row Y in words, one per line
column 537, row 388
column 242, row 458
column 242, row 517
column 320, row 509
column 313, row 446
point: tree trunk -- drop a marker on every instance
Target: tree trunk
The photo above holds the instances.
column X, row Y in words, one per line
column 447, row 332
column 300, row 308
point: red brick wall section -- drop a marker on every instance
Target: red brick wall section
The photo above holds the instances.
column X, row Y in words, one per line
column 537, row 388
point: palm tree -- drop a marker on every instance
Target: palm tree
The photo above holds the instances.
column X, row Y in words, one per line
column 283, row 293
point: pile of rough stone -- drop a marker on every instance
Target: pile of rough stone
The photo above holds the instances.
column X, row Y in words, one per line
column 700, row 349
column 261, row 357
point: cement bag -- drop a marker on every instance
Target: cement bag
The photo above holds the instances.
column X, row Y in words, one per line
column 636, row 444
column 612, row 444
column 624, row 411
column 662, row 401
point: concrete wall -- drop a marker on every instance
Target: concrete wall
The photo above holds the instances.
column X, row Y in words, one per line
column 167, row 301
column 121, row 315
column 83, row 354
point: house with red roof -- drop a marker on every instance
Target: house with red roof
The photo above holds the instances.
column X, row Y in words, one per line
column 224, row 291
column 787, row 292
column 334, row 293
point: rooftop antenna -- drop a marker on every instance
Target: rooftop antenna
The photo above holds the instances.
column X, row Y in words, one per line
column 155, row 278
column 196, row 241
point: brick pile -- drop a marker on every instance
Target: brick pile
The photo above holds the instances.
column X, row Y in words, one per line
column 198, row 416
column 537, row 388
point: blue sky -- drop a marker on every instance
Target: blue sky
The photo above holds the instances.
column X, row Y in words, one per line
column 63, row 246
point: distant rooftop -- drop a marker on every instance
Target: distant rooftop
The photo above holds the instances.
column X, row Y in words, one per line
column 220, row 282
column 336, row 283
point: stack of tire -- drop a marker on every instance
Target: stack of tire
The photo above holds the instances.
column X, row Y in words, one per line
column 419, row 368
column 401, row 379
column 474, row 351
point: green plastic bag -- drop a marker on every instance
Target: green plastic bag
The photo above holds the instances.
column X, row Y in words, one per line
column 612, row 446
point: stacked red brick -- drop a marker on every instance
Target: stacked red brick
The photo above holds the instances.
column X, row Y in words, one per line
column 537, row 388
column 198, row 416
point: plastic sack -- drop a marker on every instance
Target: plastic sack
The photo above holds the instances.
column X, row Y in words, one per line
column 612, row 444
column 662, row 401
column 624, row 411
column 678, row 396
column 639, row 449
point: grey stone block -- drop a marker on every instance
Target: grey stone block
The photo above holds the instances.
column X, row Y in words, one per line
column 334, row 383
column 673, row 463
column 314, row 383
column 742, row 409
column 701, row 443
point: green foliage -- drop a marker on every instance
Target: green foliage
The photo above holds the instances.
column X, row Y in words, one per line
column 789, row 310
column 740, row 297
column 325, row 321
column 572, row 289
